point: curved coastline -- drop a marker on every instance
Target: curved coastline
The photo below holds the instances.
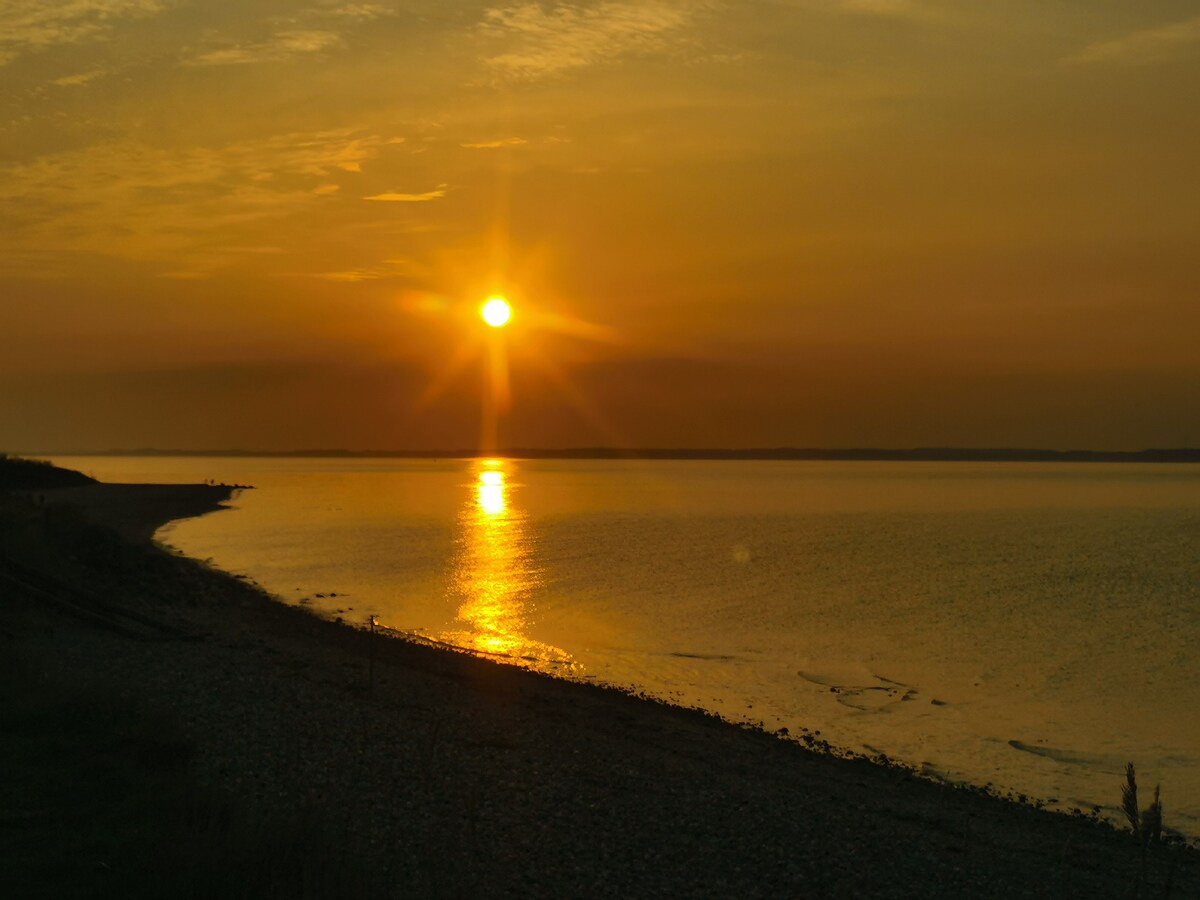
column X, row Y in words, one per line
column 138, row 511
column 452, row 774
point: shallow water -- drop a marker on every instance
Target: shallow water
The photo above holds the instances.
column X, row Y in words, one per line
column 1034, row 626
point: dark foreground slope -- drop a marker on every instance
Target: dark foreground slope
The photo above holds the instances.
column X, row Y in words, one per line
column 20, row 474
column 179, row 734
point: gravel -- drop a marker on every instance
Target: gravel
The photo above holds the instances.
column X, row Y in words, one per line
column 448, row 775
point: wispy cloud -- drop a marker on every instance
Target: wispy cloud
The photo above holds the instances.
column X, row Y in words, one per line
column 128, row 199
column 363, row 12
column 81, row 79
column 392, row 197
column 544, row 39
column 904, row 8
column 1149, row 45
column 391, row 268
column 496, row 144
column 305, row 31
column 279, row 47
column 350, row 276
column 892, row 9
column 256, row 251
column 27, row 25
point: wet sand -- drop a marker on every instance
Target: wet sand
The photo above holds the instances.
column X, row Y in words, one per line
column 449, row 775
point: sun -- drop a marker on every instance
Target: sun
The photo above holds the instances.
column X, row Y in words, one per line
column 496, row 312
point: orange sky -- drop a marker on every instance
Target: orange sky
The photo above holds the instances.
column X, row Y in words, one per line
column 267, row 224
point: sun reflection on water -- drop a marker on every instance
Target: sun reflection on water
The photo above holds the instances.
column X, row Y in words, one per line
column 496, row 574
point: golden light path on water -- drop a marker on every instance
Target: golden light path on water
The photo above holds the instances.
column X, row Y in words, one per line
column 495, row 575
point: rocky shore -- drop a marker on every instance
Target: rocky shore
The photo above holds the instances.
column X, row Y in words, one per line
column 430, row 773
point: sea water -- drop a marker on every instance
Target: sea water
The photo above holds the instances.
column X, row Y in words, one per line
column 1029, row 626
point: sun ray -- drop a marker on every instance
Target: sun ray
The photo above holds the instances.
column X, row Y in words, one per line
column 462, row 357
column 536, row 315
column 575, row 327
column 588, row 411
column 496, row 395
column 498, row 372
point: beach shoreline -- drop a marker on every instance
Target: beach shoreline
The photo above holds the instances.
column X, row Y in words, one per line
column 456, row 775
column 138, row 511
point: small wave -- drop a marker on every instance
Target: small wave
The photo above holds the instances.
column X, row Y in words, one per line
column 872, row 699
column 861, row 694
column 717, row 657
column 1069, row 757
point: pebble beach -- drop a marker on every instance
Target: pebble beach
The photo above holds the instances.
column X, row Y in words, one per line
column 442, row 774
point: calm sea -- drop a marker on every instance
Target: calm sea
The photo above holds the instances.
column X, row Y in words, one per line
column 1035, row 626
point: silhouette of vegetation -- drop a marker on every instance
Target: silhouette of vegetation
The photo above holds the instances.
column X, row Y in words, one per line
column 19, row 474
column 1146, row 823
column 1129, row 799
column 1147, row 826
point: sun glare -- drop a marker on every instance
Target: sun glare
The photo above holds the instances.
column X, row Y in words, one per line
column 496, row 312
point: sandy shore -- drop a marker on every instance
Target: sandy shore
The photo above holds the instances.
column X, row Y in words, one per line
column 450, row 776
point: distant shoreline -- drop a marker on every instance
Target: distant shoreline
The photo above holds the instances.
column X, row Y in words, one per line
column 919, row 454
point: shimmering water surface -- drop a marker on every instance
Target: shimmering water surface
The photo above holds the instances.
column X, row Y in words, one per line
column 1034, row 626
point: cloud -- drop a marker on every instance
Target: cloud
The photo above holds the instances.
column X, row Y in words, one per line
column 30, row 25
column 81, row 79
column 390, row 268
column 890, row 9
column 437, row 194
column 354, row 276
column 903, row 8
column 307, row 31
column 266, row 250
column 131, row 200
column 496, row 144
column 362, row 12
column 282, row 46
column 350, row 276
column 1149, row 45
column 544, row 39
